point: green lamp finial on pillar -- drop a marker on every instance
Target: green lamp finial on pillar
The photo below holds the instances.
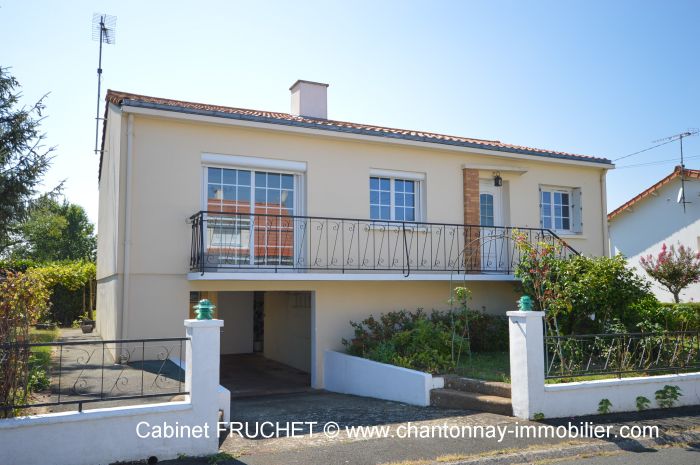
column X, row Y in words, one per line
column 204, row 310
column 525, row 303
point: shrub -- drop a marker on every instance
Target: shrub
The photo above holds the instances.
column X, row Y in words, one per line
column 71, row 284
column 642, row 403
column 668, row 396
column 23, row 300
column 675, row 269
column 411, row 340
column 582, row 294
column 604, row 406
column 650, row 315
column 432, row 342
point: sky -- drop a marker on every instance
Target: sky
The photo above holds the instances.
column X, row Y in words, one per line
column 592, row 77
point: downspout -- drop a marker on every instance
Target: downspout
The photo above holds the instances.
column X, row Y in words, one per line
column 604, row 209
column 127, row 227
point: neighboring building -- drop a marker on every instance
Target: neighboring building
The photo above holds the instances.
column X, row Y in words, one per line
column 294, row 224
column 640, row 226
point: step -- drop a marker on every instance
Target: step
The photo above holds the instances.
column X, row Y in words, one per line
column 450, row 398
column 489, row 388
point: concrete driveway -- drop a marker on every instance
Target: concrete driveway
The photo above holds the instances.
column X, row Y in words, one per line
column 351, row 411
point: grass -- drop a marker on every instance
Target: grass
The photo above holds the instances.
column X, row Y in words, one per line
column 495, row 366
column 489, row 366
column 40, row 358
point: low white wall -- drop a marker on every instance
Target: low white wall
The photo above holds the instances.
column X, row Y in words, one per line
column 530, row 395
column 100, row 436
column 582, row 398
column 104, row 436
column 361, row 377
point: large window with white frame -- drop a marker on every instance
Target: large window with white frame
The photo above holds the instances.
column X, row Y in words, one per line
column 394, row 198
column 250, row 215
column 560, row 209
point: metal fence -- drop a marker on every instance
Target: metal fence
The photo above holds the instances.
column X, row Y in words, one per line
column 283, row 243
column 621, row 354
column 83, row 372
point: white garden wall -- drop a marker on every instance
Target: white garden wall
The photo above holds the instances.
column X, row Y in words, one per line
column 361, row 377
column 103, row 436
column 581, row 398
column 530, row 394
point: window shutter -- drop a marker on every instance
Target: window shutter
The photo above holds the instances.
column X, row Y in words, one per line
column 539, row 200
column 576, row 210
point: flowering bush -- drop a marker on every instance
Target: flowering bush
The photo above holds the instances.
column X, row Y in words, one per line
column 579, row 294
column 675, row 269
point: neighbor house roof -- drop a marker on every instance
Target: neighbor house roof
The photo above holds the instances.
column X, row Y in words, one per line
column 143, row 101
column 689, row 174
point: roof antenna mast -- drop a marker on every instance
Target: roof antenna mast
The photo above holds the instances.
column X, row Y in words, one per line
column 680, row 136
column 104, row 31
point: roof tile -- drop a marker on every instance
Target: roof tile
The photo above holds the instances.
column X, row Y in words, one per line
column 121, row 98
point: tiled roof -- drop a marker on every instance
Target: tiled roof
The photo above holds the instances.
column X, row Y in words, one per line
column 689, row 174
column 126, row 98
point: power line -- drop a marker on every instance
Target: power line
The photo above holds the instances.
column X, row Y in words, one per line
column 645, row 150
column 657, row 162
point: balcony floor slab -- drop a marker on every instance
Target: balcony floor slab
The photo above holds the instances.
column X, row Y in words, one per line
column 295, row 276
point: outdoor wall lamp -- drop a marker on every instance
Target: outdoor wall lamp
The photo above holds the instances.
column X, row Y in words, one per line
column 497, row 180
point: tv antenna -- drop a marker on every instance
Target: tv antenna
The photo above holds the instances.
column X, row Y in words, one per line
column 680, row 136
column 104, row 31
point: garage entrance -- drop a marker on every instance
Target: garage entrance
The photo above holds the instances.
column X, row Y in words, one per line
column 265, row 342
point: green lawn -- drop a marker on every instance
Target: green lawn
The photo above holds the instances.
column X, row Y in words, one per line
column 489, row 366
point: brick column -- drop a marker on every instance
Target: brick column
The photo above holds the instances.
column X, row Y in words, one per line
column 470, row 189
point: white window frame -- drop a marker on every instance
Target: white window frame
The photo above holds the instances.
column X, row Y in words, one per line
column 419, row 193
column 574, row 194
column 230, row 162
column 296, row 169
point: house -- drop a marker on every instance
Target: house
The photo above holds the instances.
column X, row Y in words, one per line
column 294, row 224
column 658, row 216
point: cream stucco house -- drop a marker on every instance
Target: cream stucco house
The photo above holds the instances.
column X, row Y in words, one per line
column 295, row 224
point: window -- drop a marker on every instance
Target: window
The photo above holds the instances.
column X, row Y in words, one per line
column 231, row 191
column 560, row 209
column 393, row 199
column 486, row 215
column 240, row 237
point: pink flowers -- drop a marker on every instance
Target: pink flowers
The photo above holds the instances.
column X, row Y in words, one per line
column 673, row 269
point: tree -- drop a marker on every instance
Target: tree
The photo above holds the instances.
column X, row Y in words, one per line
column 23, row 158
column 55, row 231
column 675, row 269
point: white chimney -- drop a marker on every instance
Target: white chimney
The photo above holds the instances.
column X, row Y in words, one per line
column 310, row 99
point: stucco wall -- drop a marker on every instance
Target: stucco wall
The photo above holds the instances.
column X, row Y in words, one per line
column 236, row 309
column 108, row 301
column 657, row 220
column 362, row 377
column 111, row 193
column 167, row 181
column 288, row 328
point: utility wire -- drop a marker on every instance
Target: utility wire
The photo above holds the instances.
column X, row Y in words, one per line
column 657, row 162
column 645, row 150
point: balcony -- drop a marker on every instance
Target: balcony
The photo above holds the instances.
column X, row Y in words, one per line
column 248, row 243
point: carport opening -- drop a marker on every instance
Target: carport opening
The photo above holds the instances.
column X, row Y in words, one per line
column 265, row 342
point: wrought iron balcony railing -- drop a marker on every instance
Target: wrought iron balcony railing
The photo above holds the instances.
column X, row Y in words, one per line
column 286, row 243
